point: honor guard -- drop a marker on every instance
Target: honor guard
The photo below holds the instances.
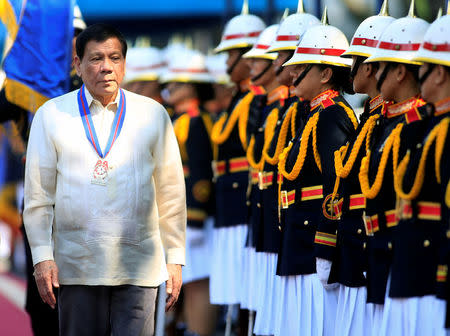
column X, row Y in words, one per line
column 145, row 66
column 434, row 75
column 263, row 115
column 421, row 231
column 349, row 263
column 307, row 169
column 190, row 85
column 397, row 82
column 230, row 164
column 289, row 120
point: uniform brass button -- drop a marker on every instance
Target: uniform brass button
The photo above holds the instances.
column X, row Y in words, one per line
column 258, row 205
column 364, row 246
column 390, row 246
column 363, row 41
column 426, row 243
column 418, row 145
column 235, row 185
column 260, row 129
column 306, row 222
column 279, row 227
column 397, row 47
column 322, row 51
column 359, row 231
column 248, row 203
column 278, row 122
column 448, row 234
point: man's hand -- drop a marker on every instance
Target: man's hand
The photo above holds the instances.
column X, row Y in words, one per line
column 46, row 276
column 173, row 285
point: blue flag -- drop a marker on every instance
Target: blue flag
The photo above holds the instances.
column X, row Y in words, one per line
column 37, row 66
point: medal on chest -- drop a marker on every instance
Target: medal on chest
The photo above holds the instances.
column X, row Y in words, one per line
column 99, row 174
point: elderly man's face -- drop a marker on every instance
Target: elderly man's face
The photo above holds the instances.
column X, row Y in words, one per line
column 102, row 68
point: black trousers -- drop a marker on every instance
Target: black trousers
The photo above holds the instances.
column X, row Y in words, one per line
column 106, row 310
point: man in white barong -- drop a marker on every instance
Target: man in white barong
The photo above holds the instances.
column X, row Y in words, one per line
column 105, row 206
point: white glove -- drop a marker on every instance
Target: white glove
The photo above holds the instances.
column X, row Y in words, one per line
column 323, row 268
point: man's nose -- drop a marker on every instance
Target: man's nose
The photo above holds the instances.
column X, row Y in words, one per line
column 107, row 65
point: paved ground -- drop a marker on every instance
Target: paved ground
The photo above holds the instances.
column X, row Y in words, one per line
column 14, row 321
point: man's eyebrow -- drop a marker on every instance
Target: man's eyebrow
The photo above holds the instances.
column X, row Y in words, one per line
column 96, row 53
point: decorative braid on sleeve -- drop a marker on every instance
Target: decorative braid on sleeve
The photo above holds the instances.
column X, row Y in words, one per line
column 392, row 144
column 288, row 119
column 438, row 131
column 294, row 173
column 220, row 134
column 344, row 170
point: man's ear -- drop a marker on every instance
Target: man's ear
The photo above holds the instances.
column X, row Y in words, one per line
column 369, row 69
column 400, row 72
column 77, row 63
column 325, row 75
column 442, row 75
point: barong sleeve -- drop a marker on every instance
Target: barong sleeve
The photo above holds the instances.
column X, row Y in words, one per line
column 170, row 193
column 40, row 188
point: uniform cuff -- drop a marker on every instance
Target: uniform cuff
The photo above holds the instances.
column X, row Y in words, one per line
column 176, row 256
column 41, row 253
column 325, row 245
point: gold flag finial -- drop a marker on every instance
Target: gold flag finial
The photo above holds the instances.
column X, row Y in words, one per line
column 143, row 41
column 285, row 14
column 176, row 39
column 324, row 20
column 412, row 9
column 384, row 11
column 188, row 42
column 245, row 8
column 300, row 7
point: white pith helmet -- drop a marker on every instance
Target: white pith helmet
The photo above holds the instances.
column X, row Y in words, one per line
column 144, row 64
column 400, row 40
column 241, row 31
column 188, row 66
column 173, row 48
column 368, row 34
column 259, row 50
column 321, row 44
column 217, row 67
column 292, row 28
column 78, row 22
column 436, row 43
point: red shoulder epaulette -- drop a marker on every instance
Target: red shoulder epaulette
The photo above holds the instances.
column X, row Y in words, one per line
column 328, row 102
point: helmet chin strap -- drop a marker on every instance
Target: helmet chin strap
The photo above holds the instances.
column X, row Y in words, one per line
column 258, row 76
column 302, row 75
column 235, row 63
column 426, row 74
column 383, row 76
column 358, row 63
column 281, row 68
